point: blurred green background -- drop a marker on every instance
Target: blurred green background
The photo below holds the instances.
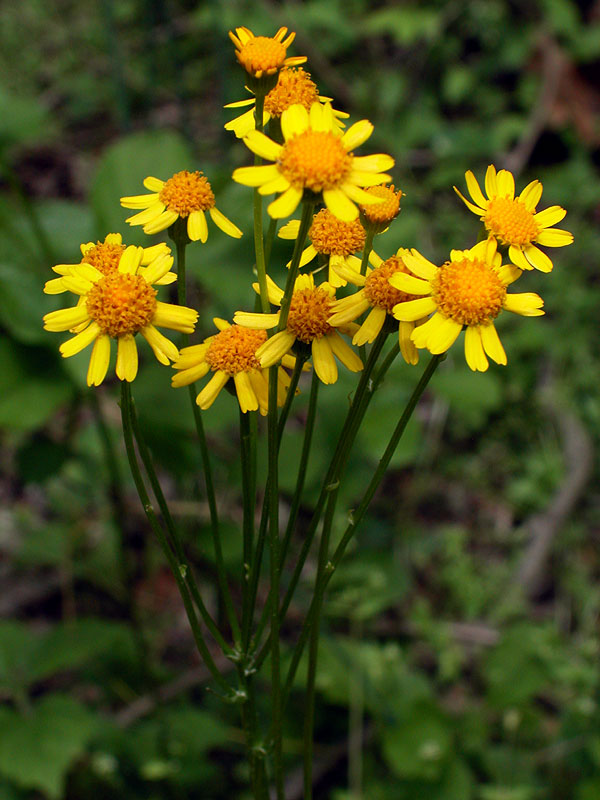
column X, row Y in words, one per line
column 460, row 658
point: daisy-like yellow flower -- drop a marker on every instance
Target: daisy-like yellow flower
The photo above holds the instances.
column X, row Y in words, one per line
column 293, row 86
column 264, row 55
column 117, row 306
column 186, row 195
column 467, row 291
column 105, row 256
column 378, row 295
column 513, row 221
column 315, row 157
column 231, row 353
column 381, row 214
column 330, row 237
column 307, row 322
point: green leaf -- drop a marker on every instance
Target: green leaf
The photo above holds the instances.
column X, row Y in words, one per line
column 417, row 747
column 123, row 167
column 37, row 750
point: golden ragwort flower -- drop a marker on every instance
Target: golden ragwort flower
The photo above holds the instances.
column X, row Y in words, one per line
column 513, row 220
column 376, row 293
column 117, row 306
column 105, row 256
column 330, row 237
column 307, row 322
column 467, row 291
column 186, row 195
column 316, row 157
column 264, row 55
column 381, row 214
column 231, row 353
column 294, row 86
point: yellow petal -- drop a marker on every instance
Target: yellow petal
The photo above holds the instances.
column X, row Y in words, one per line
column 166, row 219
column 127, row 358
column 492, row 344
column 357, row 134
column 554, row 237
column 407, row 347
column 491, row 185
column 163, row 348
column 344, row 352
column 80, row 341
column 131, row 259
column 506, row 184
column 474, row 190
column 516, row 256
column 409, row 284
column 294, row 121
column 153, row 211
column 279, row 184
column 412, row 310
column 262, row 145
column 531, row 194
column 378, row 162
column 256, row 176
column 285, row 204
column 273, row 350
column 528, row 304
column 323, row 360
column 99, row 361
column 549, row 216
column 537, row 258
column 197, row 229
column 224, row 224
column 260, row 322
column 474, row 354
column 340, row 205
column 157, row 269
column 289, row 230
column 475, row 209
column 209, row 394
column 153, row 184
column 177, row 318
column 186, row 376
column 245, row 392
column 371, row 327
column 139, row 200
column 65, row 318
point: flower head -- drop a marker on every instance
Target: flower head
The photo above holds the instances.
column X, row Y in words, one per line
column 316, row 157
column 117, row 305
column 231, row 353
column 331, row 238
column 185, row 195
column 264, row 55
column 513, row 221
column 469, row 290
column 381, row 214
column 105, row 257
column 294, row 86
column 378, row 295
column 308, row 323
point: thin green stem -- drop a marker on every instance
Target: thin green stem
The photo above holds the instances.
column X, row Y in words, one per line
column 359, row 513
column 247, row 454
column 176, row 568
column 271, row 230
column 184, row 565
column 364, row 262
column 305, row 223
column 181, row 241
column 362, row 396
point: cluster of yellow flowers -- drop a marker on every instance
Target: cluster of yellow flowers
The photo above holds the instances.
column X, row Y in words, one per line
column 310, row 155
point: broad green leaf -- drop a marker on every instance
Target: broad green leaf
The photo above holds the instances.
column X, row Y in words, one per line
column 36, row 750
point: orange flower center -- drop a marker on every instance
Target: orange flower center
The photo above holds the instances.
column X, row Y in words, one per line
column 121, row 303
column 104, row 256
column 510, row 221
column 387, row 210
column 261, row 54
column 329, row 234
column 186, row 192
column 469, row 292
column 309, row 311
column 379, row 291
column 234, row 350
column 293, row 86
column 315, row 160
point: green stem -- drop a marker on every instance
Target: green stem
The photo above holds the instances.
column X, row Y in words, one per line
column 359, row 513
column 259, row 244
column 248, row 454
column 305, row 223
column 362, row 396
column 367, row 250
column 271, row 230
column 184, row 565
column 181, row 240
column 127, row 421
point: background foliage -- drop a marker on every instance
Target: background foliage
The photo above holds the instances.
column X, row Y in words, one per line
column 461, row 639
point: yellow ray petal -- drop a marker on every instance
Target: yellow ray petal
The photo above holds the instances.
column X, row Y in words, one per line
column 371, row 327
column 285, row 204
column 209, row 394
column 323, row 360
column 474, row 354
column 506, row 184
column 153, row 184
column 528, row 304
column 549, row 216
column 412, row 310
column 492, row 344
column 163, row 348
column 197, row 229
column 357, row 134
column 256, row 176
column 245, row 392
column 294, row 121
column 127, row 358
column 340, row 205
column 531, row 194
column 99, row 361
column 539, row 260
column 263, row 146
column 491, row 185
column 166, row 219
column 80, row 341
column 378, row 162
column 475, row 189
column 225, row 224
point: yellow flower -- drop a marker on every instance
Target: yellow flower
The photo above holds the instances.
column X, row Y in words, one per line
column 307, row 322
column 293, row 86
column 186, row 195
column 331, row 237
column 383, row 213
column 467, row 291
column 380, row 296
column 513, row 221
column 117, row 306
column 231, row 353
column 105, row 256
column 315, row 157
column 264, row 55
